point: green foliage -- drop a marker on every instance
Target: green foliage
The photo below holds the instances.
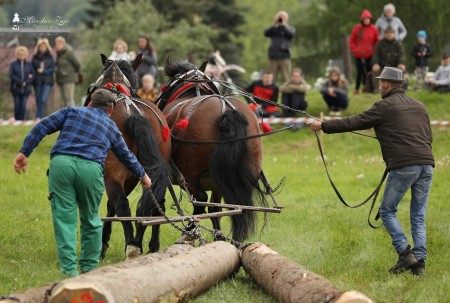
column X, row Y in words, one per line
column 130, row 20
column 224, row 17
column 314, row 229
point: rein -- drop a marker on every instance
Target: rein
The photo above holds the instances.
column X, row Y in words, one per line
column 234, row 139
column 374, row 194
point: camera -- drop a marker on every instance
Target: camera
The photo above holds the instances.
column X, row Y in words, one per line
column 280, row 20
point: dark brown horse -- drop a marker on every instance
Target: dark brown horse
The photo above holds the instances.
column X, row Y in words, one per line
column 145, row 131
column 196, row 113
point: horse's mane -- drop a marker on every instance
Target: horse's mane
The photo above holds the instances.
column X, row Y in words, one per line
column 174, row 67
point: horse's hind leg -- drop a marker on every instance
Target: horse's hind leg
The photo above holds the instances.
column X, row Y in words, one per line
column 215, row 198
column 118, row 198
column 153, row 245
column 106, row 236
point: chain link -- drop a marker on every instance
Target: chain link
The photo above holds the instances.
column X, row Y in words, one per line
column 195, row 233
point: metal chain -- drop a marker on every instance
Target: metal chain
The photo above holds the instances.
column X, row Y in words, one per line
column 195, row 232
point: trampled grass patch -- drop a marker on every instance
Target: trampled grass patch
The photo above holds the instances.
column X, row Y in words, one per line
column 314, row 229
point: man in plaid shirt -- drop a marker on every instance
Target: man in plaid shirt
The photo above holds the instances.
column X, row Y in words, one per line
column 75, row 176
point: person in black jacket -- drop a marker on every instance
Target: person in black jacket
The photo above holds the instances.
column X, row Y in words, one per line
column 21, row 73
column 421, row 52
column 44, row 65
column 403, row 129
column 266, row 89
column 149, row 63
column 281, row 35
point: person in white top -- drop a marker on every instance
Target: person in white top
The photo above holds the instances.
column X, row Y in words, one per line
column 120, row 51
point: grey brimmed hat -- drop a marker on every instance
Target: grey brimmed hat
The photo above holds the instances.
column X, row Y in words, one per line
column 103, row 96
column 391, row 74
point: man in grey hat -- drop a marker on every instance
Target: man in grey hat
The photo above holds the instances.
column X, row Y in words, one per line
column 75, row 176
column 403, row 129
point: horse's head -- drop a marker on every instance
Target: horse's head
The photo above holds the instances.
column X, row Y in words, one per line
column 118, row 74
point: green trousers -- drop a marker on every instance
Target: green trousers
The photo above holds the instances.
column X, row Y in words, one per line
column 74, row 183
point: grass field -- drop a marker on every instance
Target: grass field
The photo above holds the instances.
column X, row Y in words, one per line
column 315, row 229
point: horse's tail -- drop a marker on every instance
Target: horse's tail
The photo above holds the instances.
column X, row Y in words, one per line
column 150, row 157
column 232, row 171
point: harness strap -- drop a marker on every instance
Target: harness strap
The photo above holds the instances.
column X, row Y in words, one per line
column 374, row 194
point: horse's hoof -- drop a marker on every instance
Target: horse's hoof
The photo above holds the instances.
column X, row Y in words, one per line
column 104, row 249
column 132, row 252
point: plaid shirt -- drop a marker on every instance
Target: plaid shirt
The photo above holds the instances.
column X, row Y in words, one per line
column 86, row 133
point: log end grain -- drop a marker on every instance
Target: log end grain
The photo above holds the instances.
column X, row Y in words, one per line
column 79, row 291
column 353, row 296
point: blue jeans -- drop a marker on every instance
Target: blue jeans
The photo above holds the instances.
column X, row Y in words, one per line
column 20, row 106
column 42, row 91
column 418, row 178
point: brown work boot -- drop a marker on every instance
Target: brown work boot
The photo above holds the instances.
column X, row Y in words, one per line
column 406, row 260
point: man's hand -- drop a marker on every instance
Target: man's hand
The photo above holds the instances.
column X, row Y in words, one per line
column 315, row 125
column 146, row 181
column 375, row 67
column 20, row 163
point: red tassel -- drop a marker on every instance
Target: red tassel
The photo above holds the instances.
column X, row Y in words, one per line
column 266, row 127
column 165, row 133
column 108, row 85
column 183, row 123
column 122, row 89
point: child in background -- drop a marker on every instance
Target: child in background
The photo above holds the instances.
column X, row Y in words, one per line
column 421, row 52
column 120, row 51
column 148, row 91
column 335, row 91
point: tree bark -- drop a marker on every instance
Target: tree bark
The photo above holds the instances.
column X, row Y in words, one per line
column 40, row 295
column 288, row 282
column 170, row 280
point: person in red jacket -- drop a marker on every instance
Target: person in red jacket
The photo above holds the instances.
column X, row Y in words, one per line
column 363, row 40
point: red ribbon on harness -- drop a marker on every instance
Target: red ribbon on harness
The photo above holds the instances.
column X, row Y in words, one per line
column 119, row 87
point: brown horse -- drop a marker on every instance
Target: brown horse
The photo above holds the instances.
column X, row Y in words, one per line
column 197, row 113
column 145, row 131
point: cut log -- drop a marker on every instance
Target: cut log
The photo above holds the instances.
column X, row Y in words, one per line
column 288, row 282
column 40, row 295
column 170, row 280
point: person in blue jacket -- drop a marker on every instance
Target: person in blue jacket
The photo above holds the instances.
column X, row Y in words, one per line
column 21, row 73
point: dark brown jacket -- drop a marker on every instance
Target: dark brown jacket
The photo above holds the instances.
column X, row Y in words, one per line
column 402, row 127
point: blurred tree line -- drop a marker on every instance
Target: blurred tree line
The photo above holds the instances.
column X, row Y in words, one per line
column 179, row 27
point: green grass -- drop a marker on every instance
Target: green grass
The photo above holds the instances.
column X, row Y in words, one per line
column 315, row 229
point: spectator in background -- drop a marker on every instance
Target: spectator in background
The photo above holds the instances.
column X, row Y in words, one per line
column 388, row 52
column 335, row 92
column 119, row 52
column 441, row 78
column 44, row 65
column 264, row 88
column 148, row 91
column 293, row 92
column 281, row 35
column 388, row 18
column 421, row 52
column 363, row 40
column 149, row 63
column 67, row 71
column 22, row 74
